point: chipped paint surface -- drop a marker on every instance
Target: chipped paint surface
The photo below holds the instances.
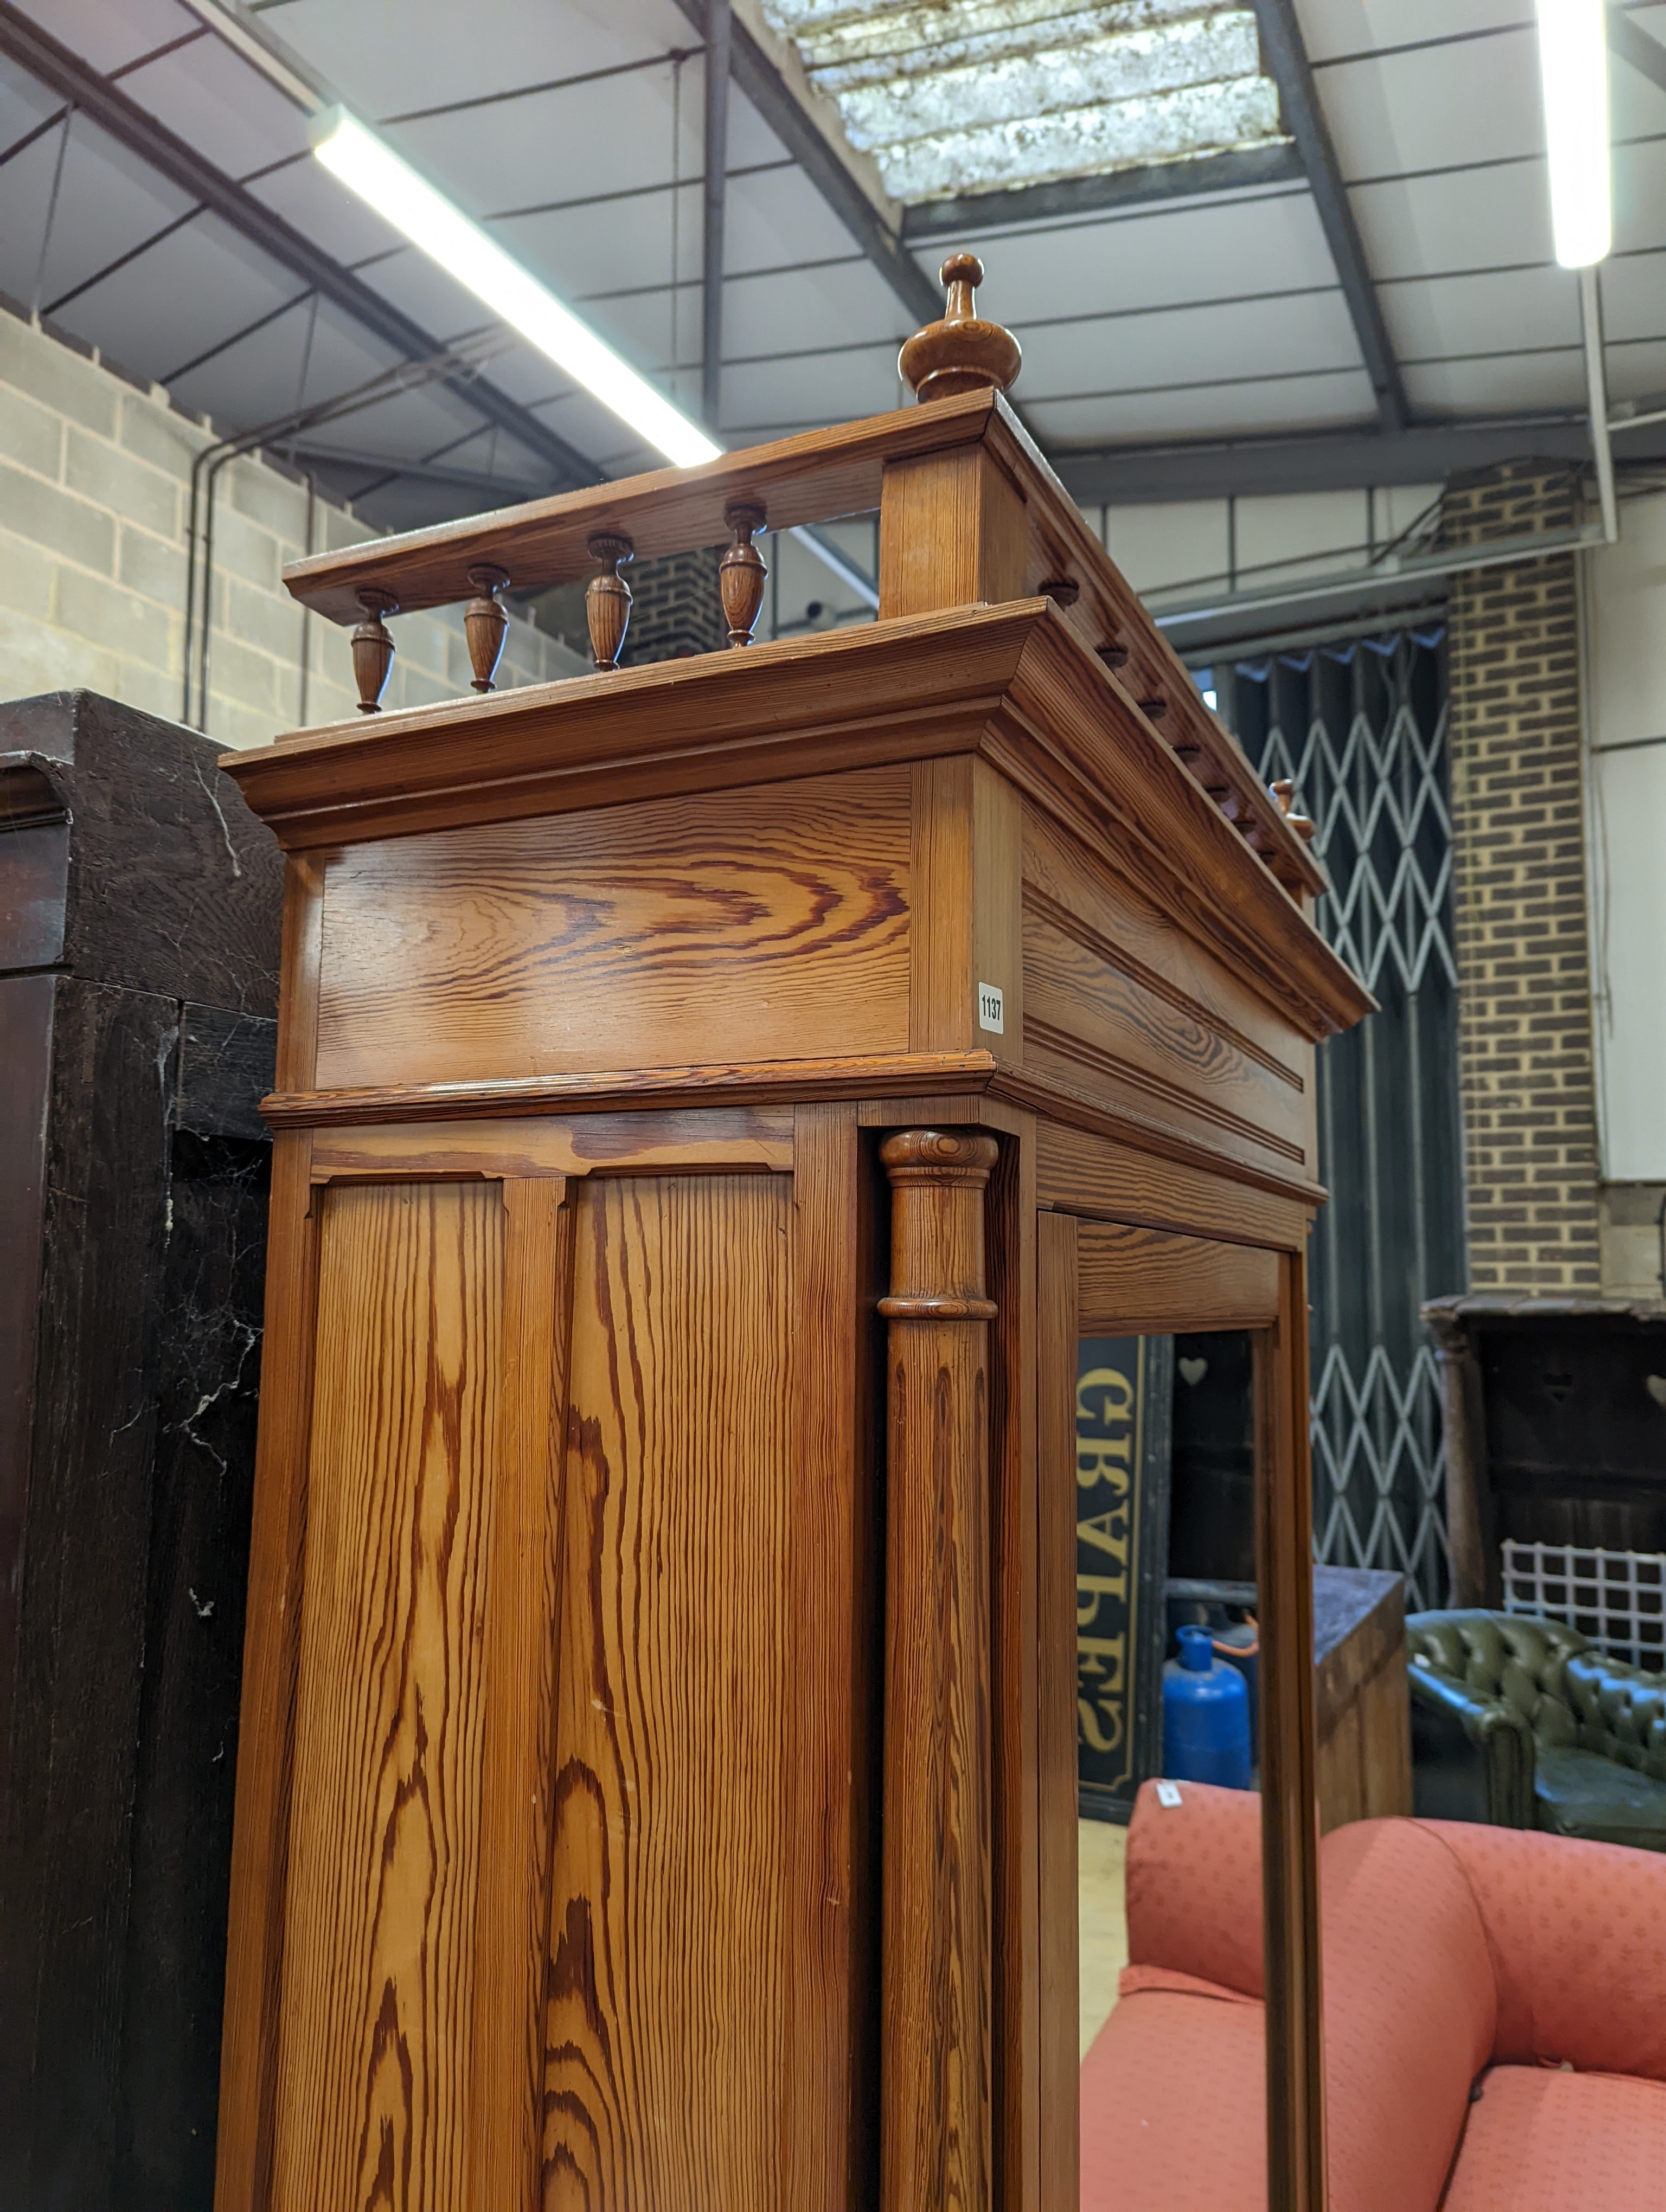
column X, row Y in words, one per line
column 980, row 95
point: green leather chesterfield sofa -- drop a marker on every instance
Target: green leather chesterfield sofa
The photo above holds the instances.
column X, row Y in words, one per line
column 1524, row 1724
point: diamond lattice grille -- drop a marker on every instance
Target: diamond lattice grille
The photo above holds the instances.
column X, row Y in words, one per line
column 1361, row 731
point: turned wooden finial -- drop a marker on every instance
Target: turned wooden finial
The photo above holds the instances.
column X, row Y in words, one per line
column 486, row 624
column 372, row 648
column 962, row 352
column 607, row 597
column 741, row 572
column 1283, row 795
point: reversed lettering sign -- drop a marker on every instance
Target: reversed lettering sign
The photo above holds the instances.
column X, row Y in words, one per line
column 1123, row 1386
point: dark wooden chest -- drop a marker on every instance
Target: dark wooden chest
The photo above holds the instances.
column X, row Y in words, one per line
column 139, row 917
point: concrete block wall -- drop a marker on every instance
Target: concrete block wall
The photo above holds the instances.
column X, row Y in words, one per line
column 1525, row 1056
column 94, row 496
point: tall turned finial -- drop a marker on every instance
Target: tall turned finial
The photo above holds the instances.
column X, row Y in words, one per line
column 486, row 624
column 607, row 597
column 962, row 352
column 741, row 572
column 372, row 648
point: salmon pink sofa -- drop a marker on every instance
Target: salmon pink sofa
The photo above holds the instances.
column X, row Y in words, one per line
column 1495, row 2019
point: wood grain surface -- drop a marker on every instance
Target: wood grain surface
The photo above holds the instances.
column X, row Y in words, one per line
column 937, row 2087
column 1017, row 1996
column 1362, row 1720
column 1079, row 1173
column 770, row 923
column 1141, row 1282
column 832, row 2141
column 669, row 1980
column 1105, row 1030
column 964, row 925
column 970, row 510
column 601, row 1091
column 303, row 937
column 1120, row 1002
column 805, row 478
column 1057, row 1333
column 1082, row 893
column 951, row 533
column 1295, row 2170
column 1014, row 682
column 1104, row 774
column 522, row 1620
column 807, row 704
column 375, row 2093
column 720, row 1137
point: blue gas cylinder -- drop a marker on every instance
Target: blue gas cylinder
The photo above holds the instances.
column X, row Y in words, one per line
column 1206, row 1716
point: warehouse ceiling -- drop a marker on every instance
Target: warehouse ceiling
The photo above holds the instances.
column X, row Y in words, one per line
column 997, row 93
column 1308, row 245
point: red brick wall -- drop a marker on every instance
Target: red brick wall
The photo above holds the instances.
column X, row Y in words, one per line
column 677, row 608
column 1525, row 1050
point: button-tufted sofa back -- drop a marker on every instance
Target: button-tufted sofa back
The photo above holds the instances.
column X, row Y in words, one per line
column 1503, row 1655
column 1619, row 1710
column 1570, row 1695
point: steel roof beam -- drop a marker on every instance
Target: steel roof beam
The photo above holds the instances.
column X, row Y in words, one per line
column 1285, row 58
column 1330, row 460
column 1153, row 184
column 1635, row 45
column 720, row 35
column 774, row 100
column 384, row 467
column 104, row 104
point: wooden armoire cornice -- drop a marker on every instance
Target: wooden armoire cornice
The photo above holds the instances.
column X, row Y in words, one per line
column 712, row 1098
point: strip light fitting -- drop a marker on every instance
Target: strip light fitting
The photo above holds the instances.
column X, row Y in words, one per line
column 1573, row 62
column 405, row 199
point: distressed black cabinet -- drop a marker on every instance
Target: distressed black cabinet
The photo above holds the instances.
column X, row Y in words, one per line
column 139, row 905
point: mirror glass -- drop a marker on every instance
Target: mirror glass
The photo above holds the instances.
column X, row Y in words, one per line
column 1164, row 1571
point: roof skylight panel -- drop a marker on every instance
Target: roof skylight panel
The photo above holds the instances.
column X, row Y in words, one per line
column 979, row 95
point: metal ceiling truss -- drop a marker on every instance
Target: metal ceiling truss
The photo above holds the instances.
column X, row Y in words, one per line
column 1152, row 183
column 1286, row 57
column 1635, row 46
column 383, row 468
column 780, row 108
column 720, row 30
column 1327, row 460
column 66, row 73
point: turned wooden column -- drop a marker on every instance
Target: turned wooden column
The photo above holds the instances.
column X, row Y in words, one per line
column 935, row 2095
column 1469, row 1529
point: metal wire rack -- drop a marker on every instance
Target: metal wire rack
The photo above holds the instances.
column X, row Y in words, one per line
column 1616, row 1598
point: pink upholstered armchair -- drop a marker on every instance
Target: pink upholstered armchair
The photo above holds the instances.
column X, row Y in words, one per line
column 1495, row 2019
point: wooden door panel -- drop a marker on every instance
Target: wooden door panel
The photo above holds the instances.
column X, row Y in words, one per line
column 727, row 927
column 670, row 1981
column 1143, row 1282
column 372, row 2092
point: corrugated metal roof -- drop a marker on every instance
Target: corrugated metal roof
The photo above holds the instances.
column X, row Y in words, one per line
column 992, row 95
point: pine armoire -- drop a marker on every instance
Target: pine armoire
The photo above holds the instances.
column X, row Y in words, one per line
column 711, row 1099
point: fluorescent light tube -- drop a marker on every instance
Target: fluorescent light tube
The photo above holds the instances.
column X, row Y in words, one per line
column 463, row 250
column 1573, row 62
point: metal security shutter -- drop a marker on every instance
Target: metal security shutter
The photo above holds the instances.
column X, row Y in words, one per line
column 1360, row 728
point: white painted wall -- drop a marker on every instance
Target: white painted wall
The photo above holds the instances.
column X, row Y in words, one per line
column 1167, row 550
column 1624, row 639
